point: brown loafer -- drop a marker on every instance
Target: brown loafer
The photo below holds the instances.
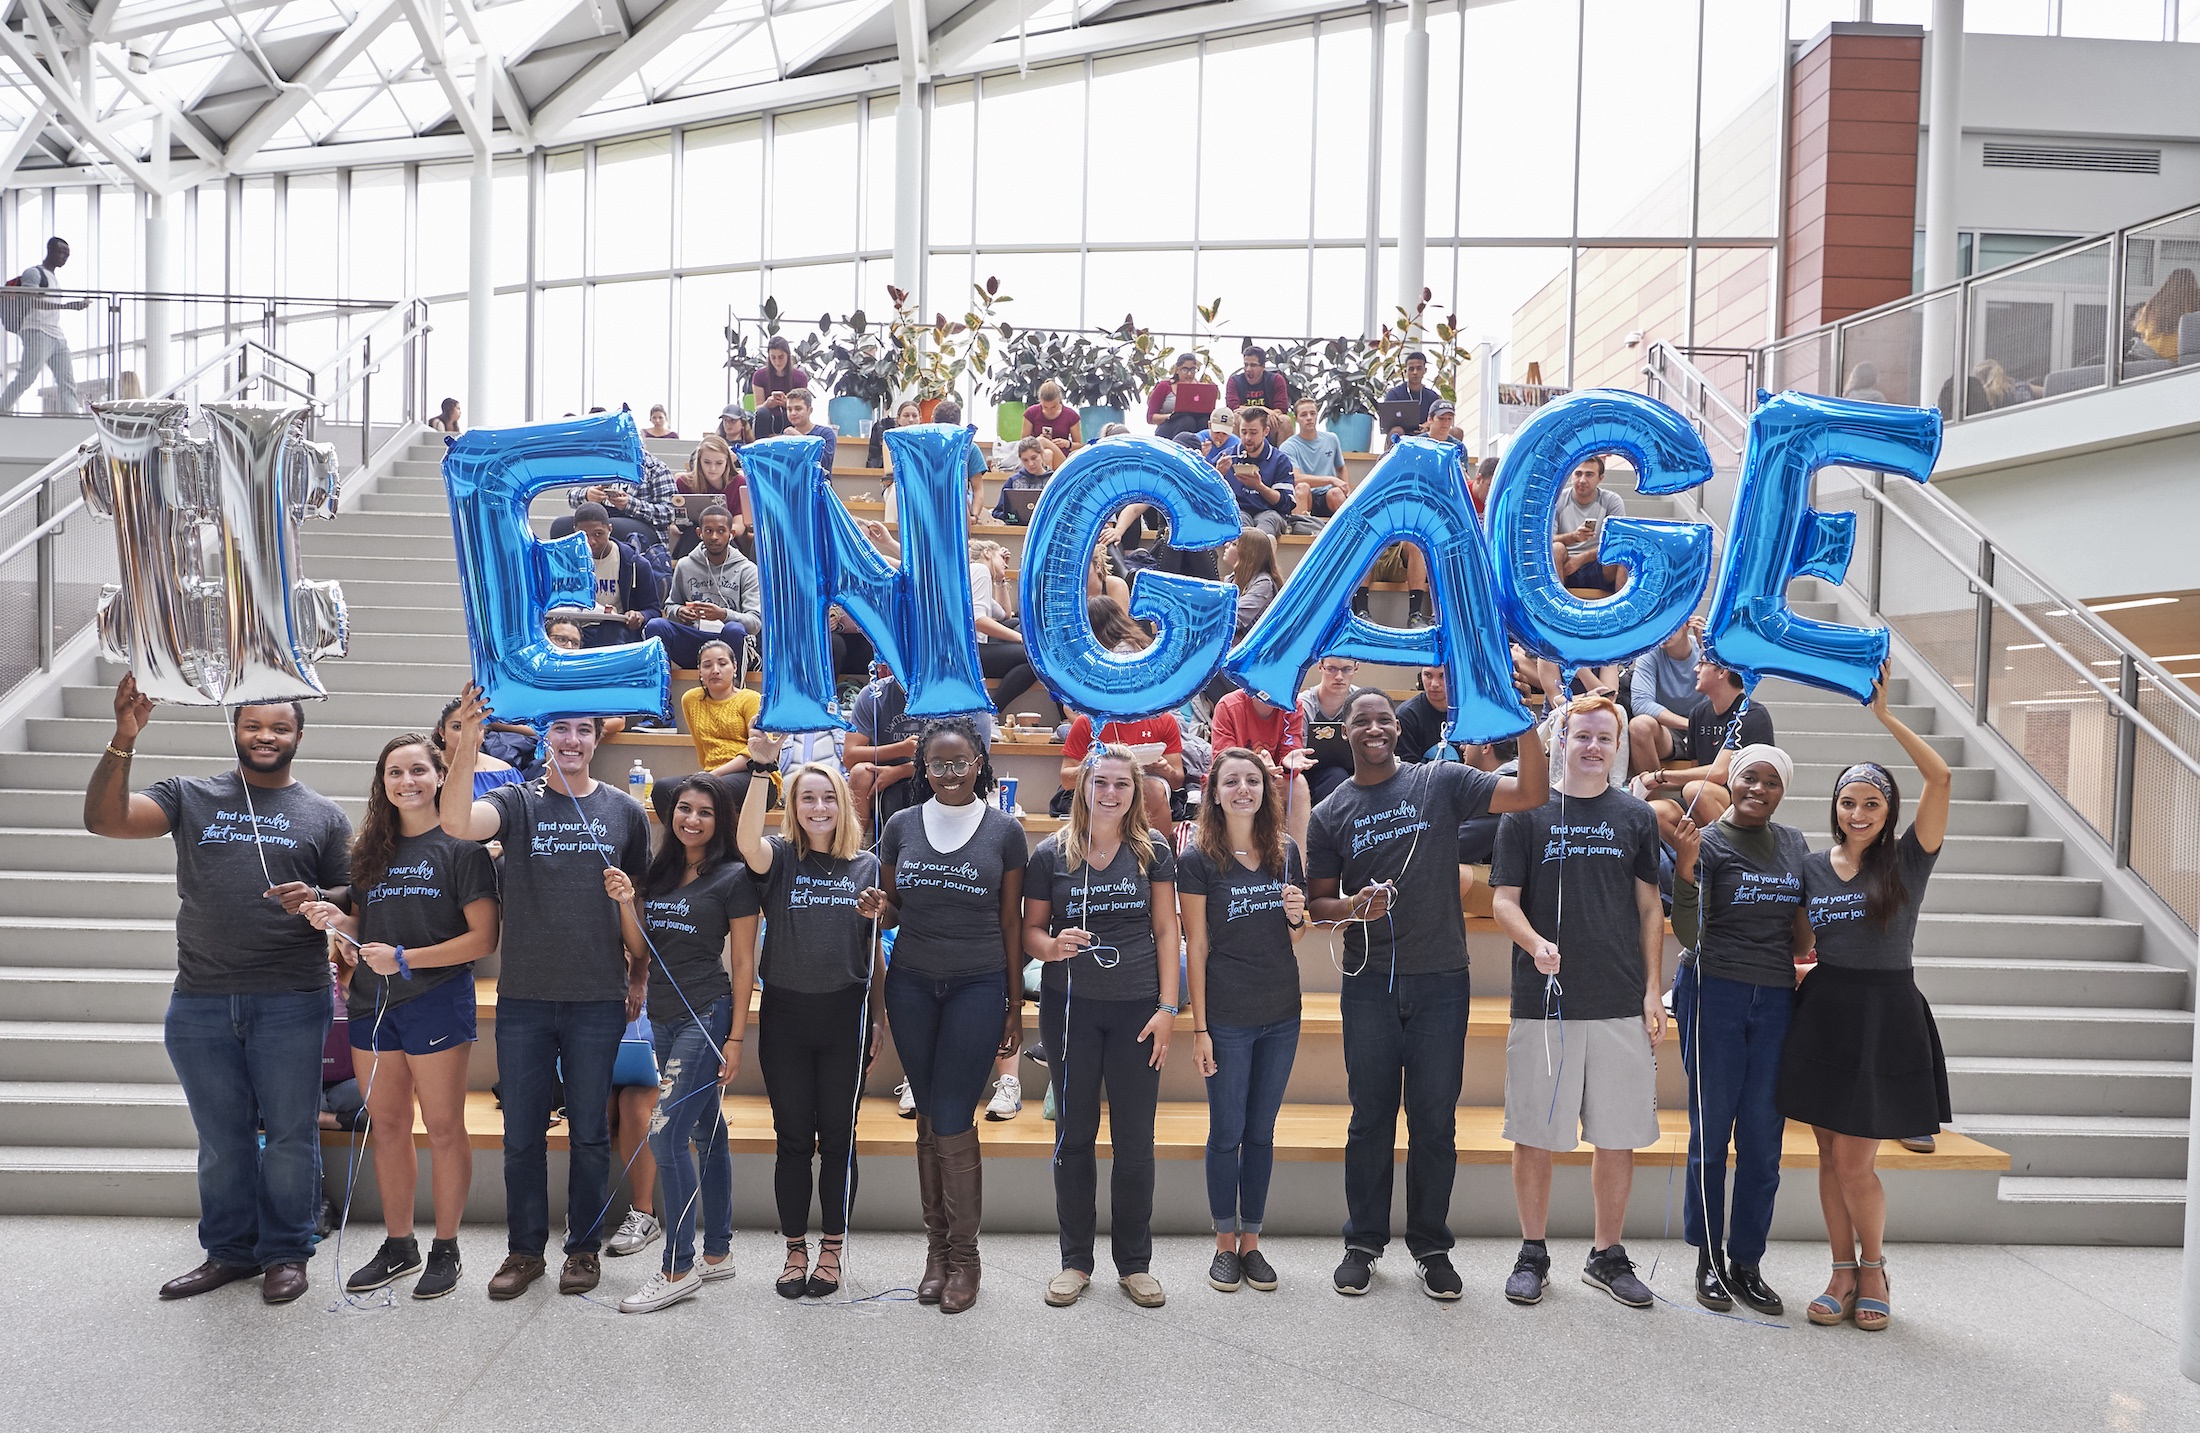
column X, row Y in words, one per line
column 513, row 1277
column 580, row 1274
column 206, row 1277
column 282, row 1283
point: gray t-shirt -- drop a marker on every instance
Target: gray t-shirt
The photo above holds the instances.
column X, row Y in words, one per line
column 1610, row 841
column 231, row 939
column 1363, row 834
column 420, row 901
column 1115, row 903
column 814, row 941
column 1847, row 936
column 1568, row 515
column 561, row 932
column 688, row 927
column 1749, row 883
column 1252, row 970
column 951, row 900
column 1321, row 456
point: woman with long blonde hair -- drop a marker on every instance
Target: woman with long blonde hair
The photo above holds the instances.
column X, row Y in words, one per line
column 1100, row 914
column 819, row 1025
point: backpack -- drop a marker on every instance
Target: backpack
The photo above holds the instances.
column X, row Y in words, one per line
column 16, row 307
column 656, row 557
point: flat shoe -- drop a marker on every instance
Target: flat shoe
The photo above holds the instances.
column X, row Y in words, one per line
column 1067, row 1287
column 1144, row 1290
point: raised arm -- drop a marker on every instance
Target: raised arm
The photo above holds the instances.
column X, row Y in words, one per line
column 462, row 816
column 1530, row 784
column 111, row 808
column 748, row 834
column 1931, row 821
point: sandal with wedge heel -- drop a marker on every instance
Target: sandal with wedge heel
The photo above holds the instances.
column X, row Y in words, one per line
column 795, row 1277
column 1826, row 1311
column 1872, row 1315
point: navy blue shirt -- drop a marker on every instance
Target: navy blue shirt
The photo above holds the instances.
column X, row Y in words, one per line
column 1275, row 470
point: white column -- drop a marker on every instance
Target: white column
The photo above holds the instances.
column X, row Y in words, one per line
column 1943, row 164
column 480, row 292
column 1413, row 161
column 910, row 41
column 160, row 270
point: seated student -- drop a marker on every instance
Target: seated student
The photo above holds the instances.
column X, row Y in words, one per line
column 1400, row 562
column 1661, row 692
column 719, row 716
column 624, row 584
column 1576, row 525
column 1478, row 486
column 1053, row 423
column 1219, row 442
column 1321, row 716
column 800, row 401
column 714, row 589
column 1413, row 390
column 657, row 427
column 641, row 514
column 1162, row 410
column 1001, row 653
column 1699, row 791
column 1254, row 385
column 1260, row 477
column 1272, row 733
column 877, row 455
column 1317, row 464
column 1441, row 425
column 1164, row 774
column 564, row 634
column 714, row 478
column 881, row 747
column 490, row 772
column 1421, row 722
column 1031, row 472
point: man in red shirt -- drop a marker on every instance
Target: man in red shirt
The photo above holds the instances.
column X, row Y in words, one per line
column 1242, row 719
column 1164, row 779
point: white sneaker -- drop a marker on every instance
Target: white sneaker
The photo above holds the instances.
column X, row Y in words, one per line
column 638, row 1232
column 661, row 1291
column 1008, row 1099
column 710, row 1273
column 908, row 1107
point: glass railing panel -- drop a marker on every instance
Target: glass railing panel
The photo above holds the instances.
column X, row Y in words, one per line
column 2037, row 330
column 2160, row 326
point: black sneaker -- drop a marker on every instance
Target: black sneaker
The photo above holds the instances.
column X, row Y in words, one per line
column 1259, row 1273
column 1224, row 1275
column 1439, row 1280
column 1612, row 1271
column 395, row 1259
column 443, row 1270
column 1356, row 1272
column 1531, row 1271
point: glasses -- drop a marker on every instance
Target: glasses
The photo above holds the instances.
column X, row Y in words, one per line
column 960, row 766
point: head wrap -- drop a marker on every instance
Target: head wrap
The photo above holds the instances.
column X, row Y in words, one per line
column 1766, row 754
column 1869, row 774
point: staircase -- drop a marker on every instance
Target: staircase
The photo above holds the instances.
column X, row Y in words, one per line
column 2066, row 1048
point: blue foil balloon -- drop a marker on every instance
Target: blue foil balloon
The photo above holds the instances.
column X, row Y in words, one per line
column 812, row 556
column 1195, row 617
column 1776, row 536
column 1668, row 563
column 1416, row 494
column 507, row 578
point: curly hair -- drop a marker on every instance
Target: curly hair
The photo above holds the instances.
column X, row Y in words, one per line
column 982, row 785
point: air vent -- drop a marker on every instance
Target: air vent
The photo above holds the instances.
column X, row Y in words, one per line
column 2075, row 159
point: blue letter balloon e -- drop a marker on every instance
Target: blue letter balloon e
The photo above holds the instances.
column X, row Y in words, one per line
column 1776, row 536
column 507, row 578
column 1195, row 616
column 1668, row 563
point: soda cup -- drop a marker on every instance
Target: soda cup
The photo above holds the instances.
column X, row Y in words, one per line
column 1008, row 794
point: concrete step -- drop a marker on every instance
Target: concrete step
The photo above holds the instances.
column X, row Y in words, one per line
column 2008, row 1084
column 70, row 770
column 131, row 1051
column 380, row 502
column 84, row 1113
column 2043, row 937
column 1958, row 893
column 447, row 618
column 392, row 565
column 428, row 470
column 1845, row 717
column 143, row 896
column 360, row 676
column 2102, row 1146
column 395, row 710
column 1778, row 692
column 2089, row 1032
column 329, row 550
column 1986, row 855
column 29, row 992
column 387, row 524
column 104, row 1180
column 32, row 848
column 75, row 941
column 1811, row 747
column 2095, row 1210
column 1813, row 787
column 424, row 584
column 1988, row 818
column 2108, row 983
column 327, row 741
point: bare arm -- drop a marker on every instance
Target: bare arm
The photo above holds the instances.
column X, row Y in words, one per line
column 1530, row 786
column 1650, row 910
column 111, row 808
column 463, row 817
column 748, row 834
column 1931, row 821
column 1012, row 947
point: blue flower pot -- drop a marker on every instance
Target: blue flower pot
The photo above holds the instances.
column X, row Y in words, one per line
column 1356, row 431
column 849, row 416
column 1091, row 420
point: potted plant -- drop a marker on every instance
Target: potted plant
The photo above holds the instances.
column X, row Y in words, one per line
column 742, row 359
column 919, row 354
column 857, row 370
column 972, row 339
column 1348, row 389
column 1023, row 365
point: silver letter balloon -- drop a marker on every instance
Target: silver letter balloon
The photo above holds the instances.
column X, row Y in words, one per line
column 211, row 610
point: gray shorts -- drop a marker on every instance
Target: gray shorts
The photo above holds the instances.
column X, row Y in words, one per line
column 1605, row 1078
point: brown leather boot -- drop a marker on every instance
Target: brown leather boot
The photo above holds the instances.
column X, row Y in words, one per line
column 962, row 1179
column 934, row 1200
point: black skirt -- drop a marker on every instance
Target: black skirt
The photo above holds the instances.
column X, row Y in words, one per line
column 1863, row 1056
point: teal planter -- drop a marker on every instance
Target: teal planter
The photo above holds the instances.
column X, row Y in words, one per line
column 1091, row 420
column 850, row 417
column 1356, row 431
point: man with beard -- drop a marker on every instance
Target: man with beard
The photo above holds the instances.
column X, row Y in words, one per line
column 251, row 1006
column 1404, row 1000
column 569, row 982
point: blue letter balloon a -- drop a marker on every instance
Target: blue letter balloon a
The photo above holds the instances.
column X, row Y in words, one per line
column 1776, row 536
column 508, row 579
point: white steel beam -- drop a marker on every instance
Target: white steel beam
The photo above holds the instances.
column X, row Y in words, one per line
column 834, row 38
column 181, row 125
column 19, row 145
column 959, row 41
column 666, row 26
column 329, row 61
column 83, row 125
column 428, row 29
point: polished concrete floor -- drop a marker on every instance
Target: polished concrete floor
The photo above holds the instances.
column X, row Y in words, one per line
column 1985, row 1337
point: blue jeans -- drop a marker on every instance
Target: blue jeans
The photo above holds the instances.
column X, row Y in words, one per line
column 534, row 1038
column 248, row 1063
column 947, row 1033
column 1252, row 1065
column 1414, row 1040
column 684, row 644
column 1731, row 1036
column 687, row 1110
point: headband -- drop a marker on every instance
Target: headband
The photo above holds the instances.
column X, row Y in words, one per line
column 1868, row 774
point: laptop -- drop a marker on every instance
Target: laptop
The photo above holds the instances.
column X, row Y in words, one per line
column 1019, row 501
column 1198, row 397
column 1405, row 413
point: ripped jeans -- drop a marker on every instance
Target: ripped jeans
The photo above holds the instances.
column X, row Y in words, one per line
column 689, row 1112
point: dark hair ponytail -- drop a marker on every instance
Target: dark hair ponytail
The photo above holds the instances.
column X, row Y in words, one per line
column 1885, row 892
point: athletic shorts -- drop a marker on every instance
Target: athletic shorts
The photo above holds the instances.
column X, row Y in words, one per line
column 428, row 1024
column 1390, row 566
column 1603, row 1075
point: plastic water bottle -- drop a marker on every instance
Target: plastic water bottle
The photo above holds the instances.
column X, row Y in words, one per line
column 640, row 782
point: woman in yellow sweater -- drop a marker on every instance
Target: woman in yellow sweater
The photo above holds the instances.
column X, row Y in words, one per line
column 718, row 714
